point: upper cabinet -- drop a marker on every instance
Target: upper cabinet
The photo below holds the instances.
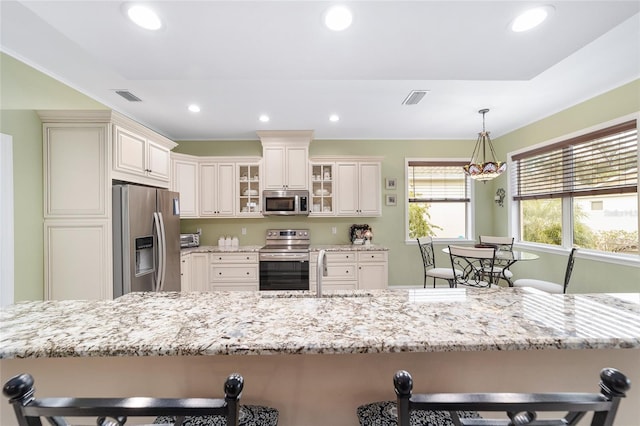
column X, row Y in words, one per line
column 140, row 155
column 322, row 189
column 359, row 188
column 76, row 170
column 185, row 180
column 217, row 186
column 217, row 189
column 248, row 196
column 286, row 158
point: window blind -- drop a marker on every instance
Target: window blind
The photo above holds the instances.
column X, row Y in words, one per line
column 601, row 162
column 437, row 182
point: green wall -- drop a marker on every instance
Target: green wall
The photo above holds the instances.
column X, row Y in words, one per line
column 24, row 90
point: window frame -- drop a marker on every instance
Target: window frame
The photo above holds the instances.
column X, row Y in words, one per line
column 469, row 211
column 513, row 206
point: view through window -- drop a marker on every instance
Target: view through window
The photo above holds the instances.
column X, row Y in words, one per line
column 593, row 178
column 438, row 199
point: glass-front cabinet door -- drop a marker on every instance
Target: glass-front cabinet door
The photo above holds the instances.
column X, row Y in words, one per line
column 248, row 178
column 322, row 189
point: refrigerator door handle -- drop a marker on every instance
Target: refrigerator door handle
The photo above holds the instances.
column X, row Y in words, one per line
column 157, row 278
column 163, row 264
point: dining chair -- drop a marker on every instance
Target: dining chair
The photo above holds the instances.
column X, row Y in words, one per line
column 429, row 264
column 549, row 286
column 473, row 263
column 458, row 409
column 500, row 268
column 226, row 411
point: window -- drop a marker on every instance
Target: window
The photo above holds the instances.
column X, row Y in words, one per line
column 438, row 199
column 581, row 191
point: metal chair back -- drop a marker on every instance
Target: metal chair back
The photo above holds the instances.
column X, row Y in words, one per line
column 569, row 270
column 516, row 408
column 30, row 410
column 474, row 264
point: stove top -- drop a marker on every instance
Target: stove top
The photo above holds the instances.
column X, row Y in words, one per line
column 286, row 239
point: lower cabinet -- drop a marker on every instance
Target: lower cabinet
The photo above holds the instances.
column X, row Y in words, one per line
column 77, row 262
column 373, row 269
column 351, row 270
column 185, row 272
column 234, row 271
column 194, row 272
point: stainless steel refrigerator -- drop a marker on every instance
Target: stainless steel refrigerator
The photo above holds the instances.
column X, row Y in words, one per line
column 146, row 239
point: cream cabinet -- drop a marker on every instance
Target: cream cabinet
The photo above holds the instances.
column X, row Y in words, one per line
column 342, row 271
column 221, row 187
column 77, row 258
column 185, row 272
column 248, row 195
column 140, row 156
column 351, row 270
column 234, row 271
column 373, row 269
column 286, row 159
column 217, row 197
column 77, row 205
column 322, row 189
column 76, row 179
column 359, row 188
column 185, row 180
column 199, row 278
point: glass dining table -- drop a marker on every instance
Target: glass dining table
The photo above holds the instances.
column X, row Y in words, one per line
column 508, row 258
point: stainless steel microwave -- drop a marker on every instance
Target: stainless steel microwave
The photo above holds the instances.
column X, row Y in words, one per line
column 285, row 203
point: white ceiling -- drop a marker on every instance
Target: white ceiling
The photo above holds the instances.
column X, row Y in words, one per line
column 240, row 59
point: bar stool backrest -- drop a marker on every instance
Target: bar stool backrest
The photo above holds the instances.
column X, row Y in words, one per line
column 30, row 410
column 516, row 408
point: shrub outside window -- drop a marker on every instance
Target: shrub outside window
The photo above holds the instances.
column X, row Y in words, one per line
column 439, row 200
column 581, row 192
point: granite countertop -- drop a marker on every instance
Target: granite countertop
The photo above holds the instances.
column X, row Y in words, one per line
column 217, row 249
column 359, row 321
column 312, row 248
column 347, row 247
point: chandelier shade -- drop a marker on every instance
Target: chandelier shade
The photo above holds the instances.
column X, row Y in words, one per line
column 481, row 167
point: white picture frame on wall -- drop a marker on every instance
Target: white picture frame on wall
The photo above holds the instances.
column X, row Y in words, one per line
column 391, row 200
column 390, row 183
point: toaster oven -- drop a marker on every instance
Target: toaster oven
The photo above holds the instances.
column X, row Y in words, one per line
column 189, row 240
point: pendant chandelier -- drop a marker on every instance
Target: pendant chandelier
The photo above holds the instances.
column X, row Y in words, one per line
column 479, row 168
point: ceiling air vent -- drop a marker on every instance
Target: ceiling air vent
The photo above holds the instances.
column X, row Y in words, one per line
column 414, row 97
column 128, row 96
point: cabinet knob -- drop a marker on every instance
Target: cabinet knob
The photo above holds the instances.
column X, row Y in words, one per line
column 219, row 273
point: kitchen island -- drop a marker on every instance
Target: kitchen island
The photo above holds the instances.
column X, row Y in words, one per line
column 317, row 359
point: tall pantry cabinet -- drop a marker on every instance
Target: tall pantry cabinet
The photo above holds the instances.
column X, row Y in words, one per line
column 80, row 159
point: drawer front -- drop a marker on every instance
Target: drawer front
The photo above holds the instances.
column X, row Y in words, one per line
column 234, row 257
column 340, row 257
column 233, row 273
column 230, row 286
column 341, row 272
column 372, row 256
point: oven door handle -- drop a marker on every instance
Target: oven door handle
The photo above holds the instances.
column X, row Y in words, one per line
column 283, row 257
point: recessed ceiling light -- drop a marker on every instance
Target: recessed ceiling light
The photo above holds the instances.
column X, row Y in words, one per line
column 334, row 117
column 144, row 17
column 264, row 118
column 531, row 18
column 194, row 108
column 338, row 18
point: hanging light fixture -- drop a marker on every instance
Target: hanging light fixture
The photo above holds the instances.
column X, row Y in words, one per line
column 479, row 168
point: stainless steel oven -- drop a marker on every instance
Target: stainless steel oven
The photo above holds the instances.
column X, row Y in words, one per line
column 284, row 260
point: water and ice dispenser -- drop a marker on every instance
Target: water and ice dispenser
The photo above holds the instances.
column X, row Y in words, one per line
column 144, row 255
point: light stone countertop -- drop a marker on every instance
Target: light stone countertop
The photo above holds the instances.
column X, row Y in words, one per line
column 312, row 248
column 359, row 321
